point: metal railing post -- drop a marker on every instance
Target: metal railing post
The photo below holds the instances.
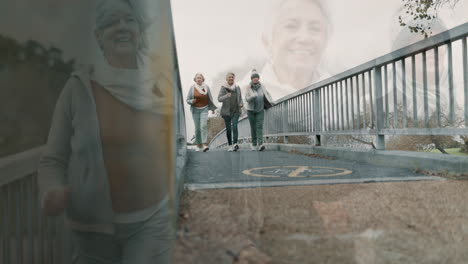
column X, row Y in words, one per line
column 379, row 107
column 285, row 124
column 317, row 117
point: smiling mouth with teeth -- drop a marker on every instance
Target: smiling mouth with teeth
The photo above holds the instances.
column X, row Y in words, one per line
column 301, row 52
column 122, row 38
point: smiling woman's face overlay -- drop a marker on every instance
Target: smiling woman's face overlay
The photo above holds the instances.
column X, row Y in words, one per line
column 119, row 32
column 298, row 37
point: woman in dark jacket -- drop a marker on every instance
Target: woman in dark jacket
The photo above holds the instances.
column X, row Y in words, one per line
column 231, row 97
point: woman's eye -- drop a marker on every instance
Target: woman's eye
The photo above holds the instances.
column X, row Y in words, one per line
column 290, row 26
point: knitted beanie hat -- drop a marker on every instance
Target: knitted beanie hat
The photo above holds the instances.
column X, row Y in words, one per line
column 254, row 74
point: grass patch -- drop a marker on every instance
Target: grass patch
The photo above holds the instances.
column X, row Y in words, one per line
column 452, row 151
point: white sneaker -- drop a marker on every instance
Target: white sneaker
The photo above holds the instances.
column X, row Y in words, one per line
column 197, row 149
column 230, row 149
column 253, row 148
column 236, row 147
column 261, row 148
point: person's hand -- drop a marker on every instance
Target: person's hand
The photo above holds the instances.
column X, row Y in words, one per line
column 55, row 201
column 241, row 105
column 194, row 101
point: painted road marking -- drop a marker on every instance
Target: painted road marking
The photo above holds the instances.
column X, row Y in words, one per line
column 296, row 171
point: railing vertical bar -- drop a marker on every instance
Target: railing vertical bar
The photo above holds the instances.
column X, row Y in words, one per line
column 347, row 104
column 299, row 113
column 379, row 107
column 296, row 114
column 352, row 102
column 342, row 105
column 317, row 115
column 306, row 112
column 415, row 101
column 325, row 108
column 6, row 224
column 395, row 100
column 330, row 107
column 337, row 113
column 403, row 84
column 303, row 113
column 425, row 92
column 450, row 79
column 312, row 111
column 387, row 111
column 308, row 115
column 284, row 118
column 50, row 225
column 358, row 103
column 333, row 105
column 371, row 100
column 337, row 103
column 309, row 112
column 40, row 231
column 317, row 112
column 465, row 79
column 293, row 114
column 322, row 109
column 29, row 201
column 437, row 84
column 19, row 223
column 364, row 100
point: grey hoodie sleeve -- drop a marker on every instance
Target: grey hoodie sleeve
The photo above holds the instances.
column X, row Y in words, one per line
column 239, row 95
column 222, row 94
column 53, row 164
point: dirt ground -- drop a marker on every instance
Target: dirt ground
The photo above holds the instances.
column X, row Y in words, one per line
column 404, row 222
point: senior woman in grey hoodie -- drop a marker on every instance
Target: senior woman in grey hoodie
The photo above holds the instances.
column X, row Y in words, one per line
column 231, row 97
column 258, row 99
column 106, row 158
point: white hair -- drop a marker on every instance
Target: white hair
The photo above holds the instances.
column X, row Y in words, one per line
column 105, row 8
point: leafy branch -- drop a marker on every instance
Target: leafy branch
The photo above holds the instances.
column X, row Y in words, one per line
column 420, row 14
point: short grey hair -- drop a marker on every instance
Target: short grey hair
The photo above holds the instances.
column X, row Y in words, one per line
column 105, row 8
column 230, row 73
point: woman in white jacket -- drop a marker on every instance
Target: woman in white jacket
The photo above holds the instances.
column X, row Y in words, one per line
column 106, row 160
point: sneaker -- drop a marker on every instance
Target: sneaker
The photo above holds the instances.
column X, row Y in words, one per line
column 205, row 149
column 261, row 148
column 230, row 149
column 253, row 148
column 236, row 147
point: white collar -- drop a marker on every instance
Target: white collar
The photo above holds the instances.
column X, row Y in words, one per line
column 133, row 87
column 201, row 88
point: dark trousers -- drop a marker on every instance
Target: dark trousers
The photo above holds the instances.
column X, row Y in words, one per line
column 231, row 128
column 256, row 126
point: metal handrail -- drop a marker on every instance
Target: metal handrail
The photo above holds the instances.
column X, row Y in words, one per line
column 376, row 99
